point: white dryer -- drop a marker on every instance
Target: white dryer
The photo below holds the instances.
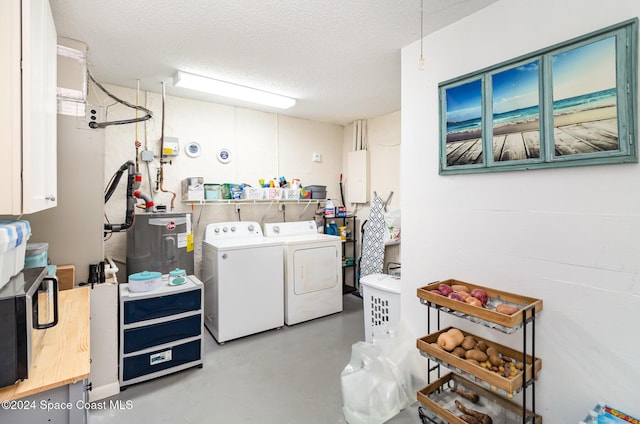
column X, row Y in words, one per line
column 312, row 270
column 243, row 280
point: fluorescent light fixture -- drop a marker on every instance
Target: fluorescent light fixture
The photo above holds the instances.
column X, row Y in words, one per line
column 230, row 90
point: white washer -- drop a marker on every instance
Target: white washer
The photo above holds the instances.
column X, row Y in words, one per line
column 313, row 270
column 243, row 279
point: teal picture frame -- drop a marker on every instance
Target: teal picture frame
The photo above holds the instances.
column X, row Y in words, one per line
column 571, row 104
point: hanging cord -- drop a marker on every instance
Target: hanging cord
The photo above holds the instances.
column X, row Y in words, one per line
column 303, row 211
column 421, row 61
column 95, row 125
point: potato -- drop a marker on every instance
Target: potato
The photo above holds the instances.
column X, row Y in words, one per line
column 481, row 345
column 460, row 288
column 494, row 357
column 463, row 295
column 473, row 301
column 507, row 370
column 503, row 308
column 445, row 289
column 459, row 351
column 455, row 296
column 481, row 295
column 476, row 355
column 468, row 343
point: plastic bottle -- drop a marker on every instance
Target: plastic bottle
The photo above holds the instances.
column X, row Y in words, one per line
column 332, row 228
column 329, row 209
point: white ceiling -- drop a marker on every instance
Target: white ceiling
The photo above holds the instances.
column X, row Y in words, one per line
column 339, row 58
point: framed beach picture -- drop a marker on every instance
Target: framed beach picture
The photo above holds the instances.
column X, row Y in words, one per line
column 464, row 124
column 567, row 105
column 515, row 112
column 585, row 119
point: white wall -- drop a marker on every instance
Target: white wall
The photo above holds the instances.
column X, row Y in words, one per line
column 262, row 145
column 383, row 134
column 567, row 236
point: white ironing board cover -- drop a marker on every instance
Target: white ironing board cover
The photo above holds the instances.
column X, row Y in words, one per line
column 372, row 261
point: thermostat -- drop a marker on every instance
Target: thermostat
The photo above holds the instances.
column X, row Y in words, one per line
column 224, row 155
column 192, row 150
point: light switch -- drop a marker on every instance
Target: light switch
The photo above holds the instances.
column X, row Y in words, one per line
column 316, row 157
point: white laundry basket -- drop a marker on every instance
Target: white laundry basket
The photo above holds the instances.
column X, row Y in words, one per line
column 381, row 301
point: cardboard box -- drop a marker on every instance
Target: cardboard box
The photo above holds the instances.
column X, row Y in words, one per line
column 66, row 276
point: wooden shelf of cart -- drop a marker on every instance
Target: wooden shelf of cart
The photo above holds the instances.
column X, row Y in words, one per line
column 439, row 398
column 487, row 314
column 428, row 346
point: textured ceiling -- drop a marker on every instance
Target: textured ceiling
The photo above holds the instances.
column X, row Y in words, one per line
column 339, row 58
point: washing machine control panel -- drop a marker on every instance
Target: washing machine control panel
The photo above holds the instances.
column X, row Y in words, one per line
column 220, row 230
column 294, row 228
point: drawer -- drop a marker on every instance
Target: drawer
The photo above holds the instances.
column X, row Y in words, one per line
column 165, row 332
column 148, row 363
column 162, row 306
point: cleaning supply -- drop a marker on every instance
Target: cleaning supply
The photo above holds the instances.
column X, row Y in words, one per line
column 329, row 209
column 332, row 228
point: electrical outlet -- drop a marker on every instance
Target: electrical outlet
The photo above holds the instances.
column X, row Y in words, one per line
column 91, row 114
column 316, row 157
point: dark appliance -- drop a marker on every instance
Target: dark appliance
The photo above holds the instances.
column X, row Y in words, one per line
column 160, row 241
column 28, row 306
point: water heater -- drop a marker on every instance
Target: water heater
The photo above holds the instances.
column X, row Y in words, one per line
column 160, row 241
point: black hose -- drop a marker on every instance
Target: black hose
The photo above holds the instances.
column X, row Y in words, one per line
column 115, row 181
column 129, row 214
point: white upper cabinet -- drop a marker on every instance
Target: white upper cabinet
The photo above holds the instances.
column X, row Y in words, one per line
column 28, row 115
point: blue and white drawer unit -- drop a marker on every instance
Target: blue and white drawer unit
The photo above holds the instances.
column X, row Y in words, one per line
column 160, row 330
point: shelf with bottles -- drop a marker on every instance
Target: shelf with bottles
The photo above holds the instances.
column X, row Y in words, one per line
column 250, row 201
column 349, row 243
column 348, row 262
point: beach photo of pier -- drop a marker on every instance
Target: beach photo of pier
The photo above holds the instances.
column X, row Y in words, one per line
column 584, row 109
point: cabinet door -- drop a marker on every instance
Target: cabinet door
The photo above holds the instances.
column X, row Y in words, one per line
column 10, row 106
column 28, row 116
column 39, row 126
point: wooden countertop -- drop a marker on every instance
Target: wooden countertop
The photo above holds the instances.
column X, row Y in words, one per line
column 62, row 356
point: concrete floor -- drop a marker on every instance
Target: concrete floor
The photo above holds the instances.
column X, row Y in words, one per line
column 291, row 375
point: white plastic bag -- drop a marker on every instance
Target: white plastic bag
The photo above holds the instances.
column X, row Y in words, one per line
column 370, row 392
column 398, row 345
column 382, row 377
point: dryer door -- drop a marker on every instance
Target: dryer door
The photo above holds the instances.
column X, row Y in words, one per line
column 316, row 269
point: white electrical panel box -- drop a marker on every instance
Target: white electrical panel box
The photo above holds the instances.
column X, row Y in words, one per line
column 170, row 146
column 358, row 176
